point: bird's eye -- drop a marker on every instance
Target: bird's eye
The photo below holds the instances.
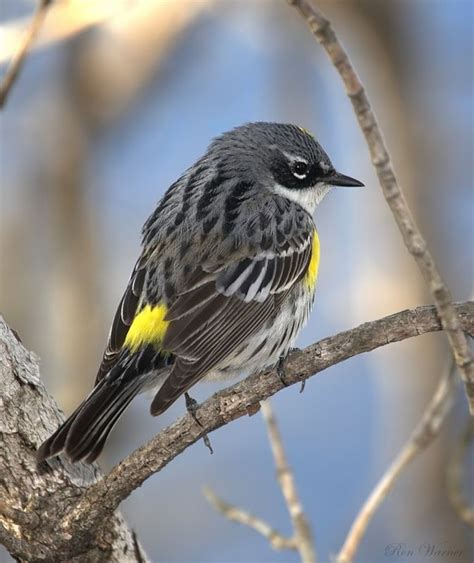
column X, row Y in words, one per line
column 299, row 168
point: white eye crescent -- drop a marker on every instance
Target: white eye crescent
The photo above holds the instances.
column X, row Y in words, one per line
column 300, row 169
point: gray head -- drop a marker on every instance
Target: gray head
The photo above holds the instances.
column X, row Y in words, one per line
column 284, row 158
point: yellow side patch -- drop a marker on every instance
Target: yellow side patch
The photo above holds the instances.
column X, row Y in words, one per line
column 312, row 273
column 148, row 327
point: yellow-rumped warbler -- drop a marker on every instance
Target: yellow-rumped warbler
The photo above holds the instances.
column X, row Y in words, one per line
column 224, row 283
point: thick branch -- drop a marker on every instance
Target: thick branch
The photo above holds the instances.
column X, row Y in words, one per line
column 412, row 237
column 32, row 505
column 244, row 398
column 423, row 435
column 18, row 60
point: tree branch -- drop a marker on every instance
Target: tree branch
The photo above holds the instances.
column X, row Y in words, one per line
column 243, row 398
column 75, row 508
column 18, row 60
column 301, row 540
column 455, row 476
column 32, row 505
column 425, row 432
column 414, row 241
column 276, row 540
column 302, row 531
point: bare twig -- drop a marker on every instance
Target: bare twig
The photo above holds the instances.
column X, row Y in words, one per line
column 19, row 58
column 301, row 540
column 302, row 531
column 241, row 399
column 276, row 540
column 415, row 243
column 425, row 432
column 455, row 476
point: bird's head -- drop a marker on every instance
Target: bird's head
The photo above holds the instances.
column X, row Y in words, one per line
column 283, row 158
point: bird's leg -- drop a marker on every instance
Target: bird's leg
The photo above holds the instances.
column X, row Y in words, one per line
column 191, row 407
column 281, row 369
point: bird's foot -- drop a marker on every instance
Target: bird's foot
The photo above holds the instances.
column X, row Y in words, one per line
column 281, row 369
column 191, row 407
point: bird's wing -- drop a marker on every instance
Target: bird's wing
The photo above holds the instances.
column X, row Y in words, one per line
column 222, row 309
column 123, row 319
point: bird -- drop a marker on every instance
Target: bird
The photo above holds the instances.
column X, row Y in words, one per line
column 224, row 283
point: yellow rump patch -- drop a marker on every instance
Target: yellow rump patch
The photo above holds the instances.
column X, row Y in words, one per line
column 148, row 327
column 312, row 273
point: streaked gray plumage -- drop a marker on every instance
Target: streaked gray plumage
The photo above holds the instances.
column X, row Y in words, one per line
column 229, row 261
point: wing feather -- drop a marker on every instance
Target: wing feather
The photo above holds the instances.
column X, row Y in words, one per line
column 210, row 322
column 123, row 318
column 190, row 300
column 239, row 328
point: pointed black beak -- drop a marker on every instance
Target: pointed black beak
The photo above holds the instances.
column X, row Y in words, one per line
column 337, row 179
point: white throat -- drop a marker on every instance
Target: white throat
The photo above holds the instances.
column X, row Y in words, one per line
column 308, row 198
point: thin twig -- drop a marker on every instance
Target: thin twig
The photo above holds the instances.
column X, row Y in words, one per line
column 455, row 476
column 425, row 432
column 276, row 540
column 302, row 531
column 415, row 243
column 302, row 539
column 104, row 497
column 19, row 58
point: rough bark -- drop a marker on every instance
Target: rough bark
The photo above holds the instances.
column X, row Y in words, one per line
column 33, row 505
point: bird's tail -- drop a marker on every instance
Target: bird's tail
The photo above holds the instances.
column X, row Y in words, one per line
column 83, row 434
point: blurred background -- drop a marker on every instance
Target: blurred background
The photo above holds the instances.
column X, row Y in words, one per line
column 118, row 98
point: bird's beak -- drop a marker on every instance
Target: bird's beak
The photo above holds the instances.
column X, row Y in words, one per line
column 337, row 179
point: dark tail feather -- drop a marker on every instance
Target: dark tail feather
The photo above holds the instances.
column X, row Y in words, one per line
column 183, row 376
column 90, row 430
column 55, row 443
column 83, row 434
